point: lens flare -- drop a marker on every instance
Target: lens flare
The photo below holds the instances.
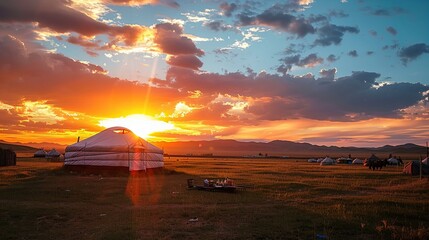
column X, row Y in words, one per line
column 140, row 124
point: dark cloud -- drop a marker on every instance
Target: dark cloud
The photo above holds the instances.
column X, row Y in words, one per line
column 56, row 15
column 186, row 61
column 170, row 40
column 328, row 73
column 353, row 53
column 332, row 58
column 308, row 61
column 332, row 34
column 393, row 46
column 369, row 53
column 227, row 8
column 294, row 49
column 275, row 97
column 217, row 26
column 412, row 52
column 277, row 17
column 392, row 30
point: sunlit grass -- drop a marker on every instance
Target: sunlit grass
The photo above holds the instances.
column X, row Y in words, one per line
column 283, row 199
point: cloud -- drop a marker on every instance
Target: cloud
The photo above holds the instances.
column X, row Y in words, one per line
column 332, row 58
column 65, row 82
column 56, row 15
column 277, row 17
column 274, row 97
column 353, row 53
column 412, row 52
column 169, row 3
column 169, row 39
column 392, row 30
column 227, row 8
column 60, row 17
column 186, row 61
column 328, row 73
column 309, row 61
column 332, row 34
column 369, row 53
column 217, row 26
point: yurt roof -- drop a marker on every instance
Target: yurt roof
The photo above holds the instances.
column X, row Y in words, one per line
column 114, row 139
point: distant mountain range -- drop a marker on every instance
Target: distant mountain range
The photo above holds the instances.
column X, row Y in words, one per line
column 280, row 148
column 276, row 148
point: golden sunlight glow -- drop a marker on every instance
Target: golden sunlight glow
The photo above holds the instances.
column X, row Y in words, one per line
column 140, row 124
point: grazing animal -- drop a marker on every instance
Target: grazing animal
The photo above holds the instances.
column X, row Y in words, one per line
column 374, row 162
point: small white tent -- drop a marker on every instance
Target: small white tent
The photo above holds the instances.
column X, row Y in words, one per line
column 357, row 161
column 40, row 153
column 115, row 147
column 327, row 161
column 53, row 154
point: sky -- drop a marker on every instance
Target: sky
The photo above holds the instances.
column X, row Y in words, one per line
column 326, row 72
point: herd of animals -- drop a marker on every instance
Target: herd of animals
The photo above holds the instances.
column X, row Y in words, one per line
column 374, row 162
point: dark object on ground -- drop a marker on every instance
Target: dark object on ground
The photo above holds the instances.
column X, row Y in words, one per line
column 413, row 168
column 211, row 186
column 7, row 157
column 374, row 162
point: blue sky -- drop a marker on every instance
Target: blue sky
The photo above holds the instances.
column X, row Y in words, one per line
column 263, row 53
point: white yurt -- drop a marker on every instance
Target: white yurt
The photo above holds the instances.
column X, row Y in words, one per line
column 53, row 153
column 393, row 161
column 327, row 161
column 40, row 153
column 115, row 147
column 357, row 161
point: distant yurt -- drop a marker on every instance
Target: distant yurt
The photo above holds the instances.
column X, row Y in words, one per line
column 413, row 168
column 344, row 160
column 115, row 147
column 327, row 161
column 7, row 157
column 40, row 153
column 53, row 153
column 312, row 160
column 357, row 161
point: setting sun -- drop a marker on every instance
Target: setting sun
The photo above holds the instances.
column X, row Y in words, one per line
column 140, row 124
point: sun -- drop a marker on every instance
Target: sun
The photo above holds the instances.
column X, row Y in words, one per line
column 142, row 125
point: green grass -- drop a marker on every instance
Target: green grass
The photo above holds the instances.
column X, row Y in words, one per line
column 285, row 199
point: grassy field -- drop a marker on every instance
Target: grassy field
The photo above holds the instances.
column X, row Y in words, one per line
column 284, row 199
